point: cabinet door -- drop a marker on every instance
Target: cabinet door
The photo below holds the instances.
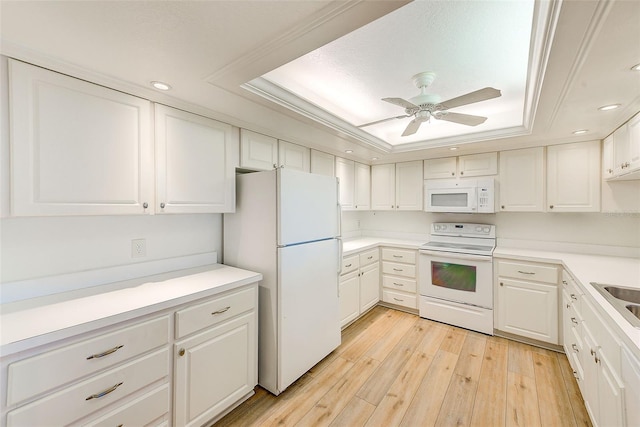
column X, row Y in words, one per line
column 522, row 180
column 634, row 144
column 293, row 156
column 621, row 150
column 345, row 171
column 440, row 168
column 528, row 309
column 607, row 157
column 369, row 286
column 257, row 151
column 362, row 187
column 214, row 369
column 409, row 183
column 349, row 298
column 573, row 177
column 77, row 148
column 610, row 396
column 383, row 187
column 478, row 164
column 323, row 163
column 196, row 159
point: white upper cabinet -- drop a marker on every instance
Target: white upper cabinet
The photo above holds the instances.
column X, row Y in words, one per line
column 362, row 186
column 462, row 166
column 573, row 177
column 478, row 164
column 522, row 180
column 397, row 186
column 409, row 184
column 77, row 148
column 323, row 163
column 196, row 159
column 257, row 151
column 345, row 171
column 621, row 156
column 294, row 156
column 383, row 187
column 441, row 168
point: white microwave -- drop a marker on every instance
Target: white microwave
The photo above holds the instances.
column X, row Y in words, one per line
column 460, row 195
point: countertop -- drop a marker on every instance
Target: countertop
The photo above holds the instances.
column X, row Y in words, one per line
column 351, row 246
column 39, row 321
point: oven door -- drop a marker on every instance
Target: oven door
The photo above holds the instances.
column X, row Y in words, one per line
column 457, row 277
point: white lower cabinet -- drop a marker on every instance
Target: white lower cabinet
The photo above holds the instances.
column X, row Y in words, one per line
column 399, row 277
column 214, row 369
column 359, row 285
column 122, row 376
column 527, row 300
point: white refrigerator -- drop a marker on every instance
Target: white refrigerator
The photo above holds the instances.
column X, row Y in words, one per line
column 287, row 227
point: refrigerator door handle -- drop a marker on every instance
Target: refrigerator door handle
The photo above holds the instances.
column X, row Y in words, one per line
column 339, row 240
column 339, row 208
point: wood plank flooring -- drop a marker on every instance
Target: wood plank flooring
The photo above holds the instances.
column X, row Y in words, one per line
column 396, row 369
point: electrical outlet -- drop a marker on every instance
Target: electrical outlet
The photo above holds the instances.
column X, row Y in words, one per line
column 138, row 248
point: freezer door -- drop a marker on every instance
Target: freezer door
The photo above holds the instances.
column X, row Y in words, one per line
column 309, row 326
column 308, row 207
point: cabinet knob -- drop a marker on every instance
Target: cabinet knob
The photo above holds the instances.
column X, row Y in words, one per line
column 453, row 174
column 162, row 205
column 181, row 352
column 461, row 172
column 609, row 170
column 501, row 284
column 502, row 207
column 550, row 206
column 145, row 205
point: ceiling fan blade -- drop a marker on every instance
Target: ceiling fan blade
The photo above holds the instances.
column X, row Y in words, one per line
column 384, row 120
column 463, row 119
column 412, row 127
column 471, row 97
column 400, row 102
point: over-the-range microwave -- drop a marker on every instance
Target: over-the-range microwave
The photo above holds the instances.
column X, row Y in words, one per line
column 460, row 195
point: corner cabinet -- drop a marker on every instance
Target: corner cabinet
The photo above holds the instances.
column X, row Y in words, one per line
column 77, row 148
column 573, row 177
column 359, row 285
column 522, row 180
column 621, row 157
column 195, row 163
column 355, row 184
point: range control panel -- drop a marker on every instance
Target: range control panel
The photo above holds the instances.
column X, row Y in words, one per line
column 463, row 229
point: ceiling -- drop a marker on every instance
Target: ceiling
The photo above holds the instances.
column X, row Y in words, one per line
column 316, row 70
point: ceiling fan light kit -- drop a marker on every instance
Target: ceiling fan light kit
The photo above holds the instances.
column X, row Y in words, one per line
column 425, row 105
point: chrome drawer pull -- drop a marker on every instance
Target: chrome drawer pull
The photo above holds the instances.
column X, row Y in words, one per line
column 398, row 284
column 102, row 393
column 575, row 348
column 370, row 257
column 526, row 272
column 397, row 269
column 105, row 353
column 397, row 299
column 398, row 256
column 573, row 319
column 348, row 265
column 221, row 311
column 573, row 296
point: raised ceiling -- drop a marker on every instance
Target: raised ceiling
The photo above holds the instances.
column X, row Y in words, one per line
column 208, row 50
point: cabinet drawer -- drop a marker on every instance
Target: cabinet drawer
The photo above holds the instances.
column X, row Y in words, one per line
column 80, row 400
column 350, row 263
column 35, row 375
column 398, row 283
column 571, row 292
column 397, row 269
column 399, row 298
column 214, row 311
column 140, row 412
column 399, row 255
column 369, row 257
column 529, row 271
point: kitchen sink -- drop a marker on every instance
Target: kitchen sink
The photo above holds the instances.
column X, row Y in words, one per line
column 626, row 294
column 625, row 300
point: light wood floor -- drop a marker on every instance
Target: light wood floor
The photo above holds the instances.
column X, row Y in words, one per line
column 396, row 369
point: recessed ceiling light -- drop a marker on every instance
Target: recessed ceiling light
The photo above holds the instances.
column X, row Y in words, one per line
column 635, row 67
column 609, row 107
column 160, row 85
column 580, row 131
column 453, row 148
column 348, row 151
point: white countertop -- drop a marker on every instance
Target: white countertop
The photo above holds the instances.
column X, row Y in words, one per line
column 587, row 268
column 358, row 244
column 48, row 319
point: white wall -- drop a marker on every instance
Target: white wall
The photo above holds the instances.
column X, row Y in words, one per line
column 36, row 247
column 612, row 229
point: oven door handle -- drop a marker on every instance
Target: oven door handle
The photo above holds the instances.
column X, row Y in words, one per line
column 454, row 255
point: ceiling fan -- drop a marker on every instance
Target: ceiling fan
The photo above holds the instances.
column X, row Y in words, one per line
column 424, row 106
